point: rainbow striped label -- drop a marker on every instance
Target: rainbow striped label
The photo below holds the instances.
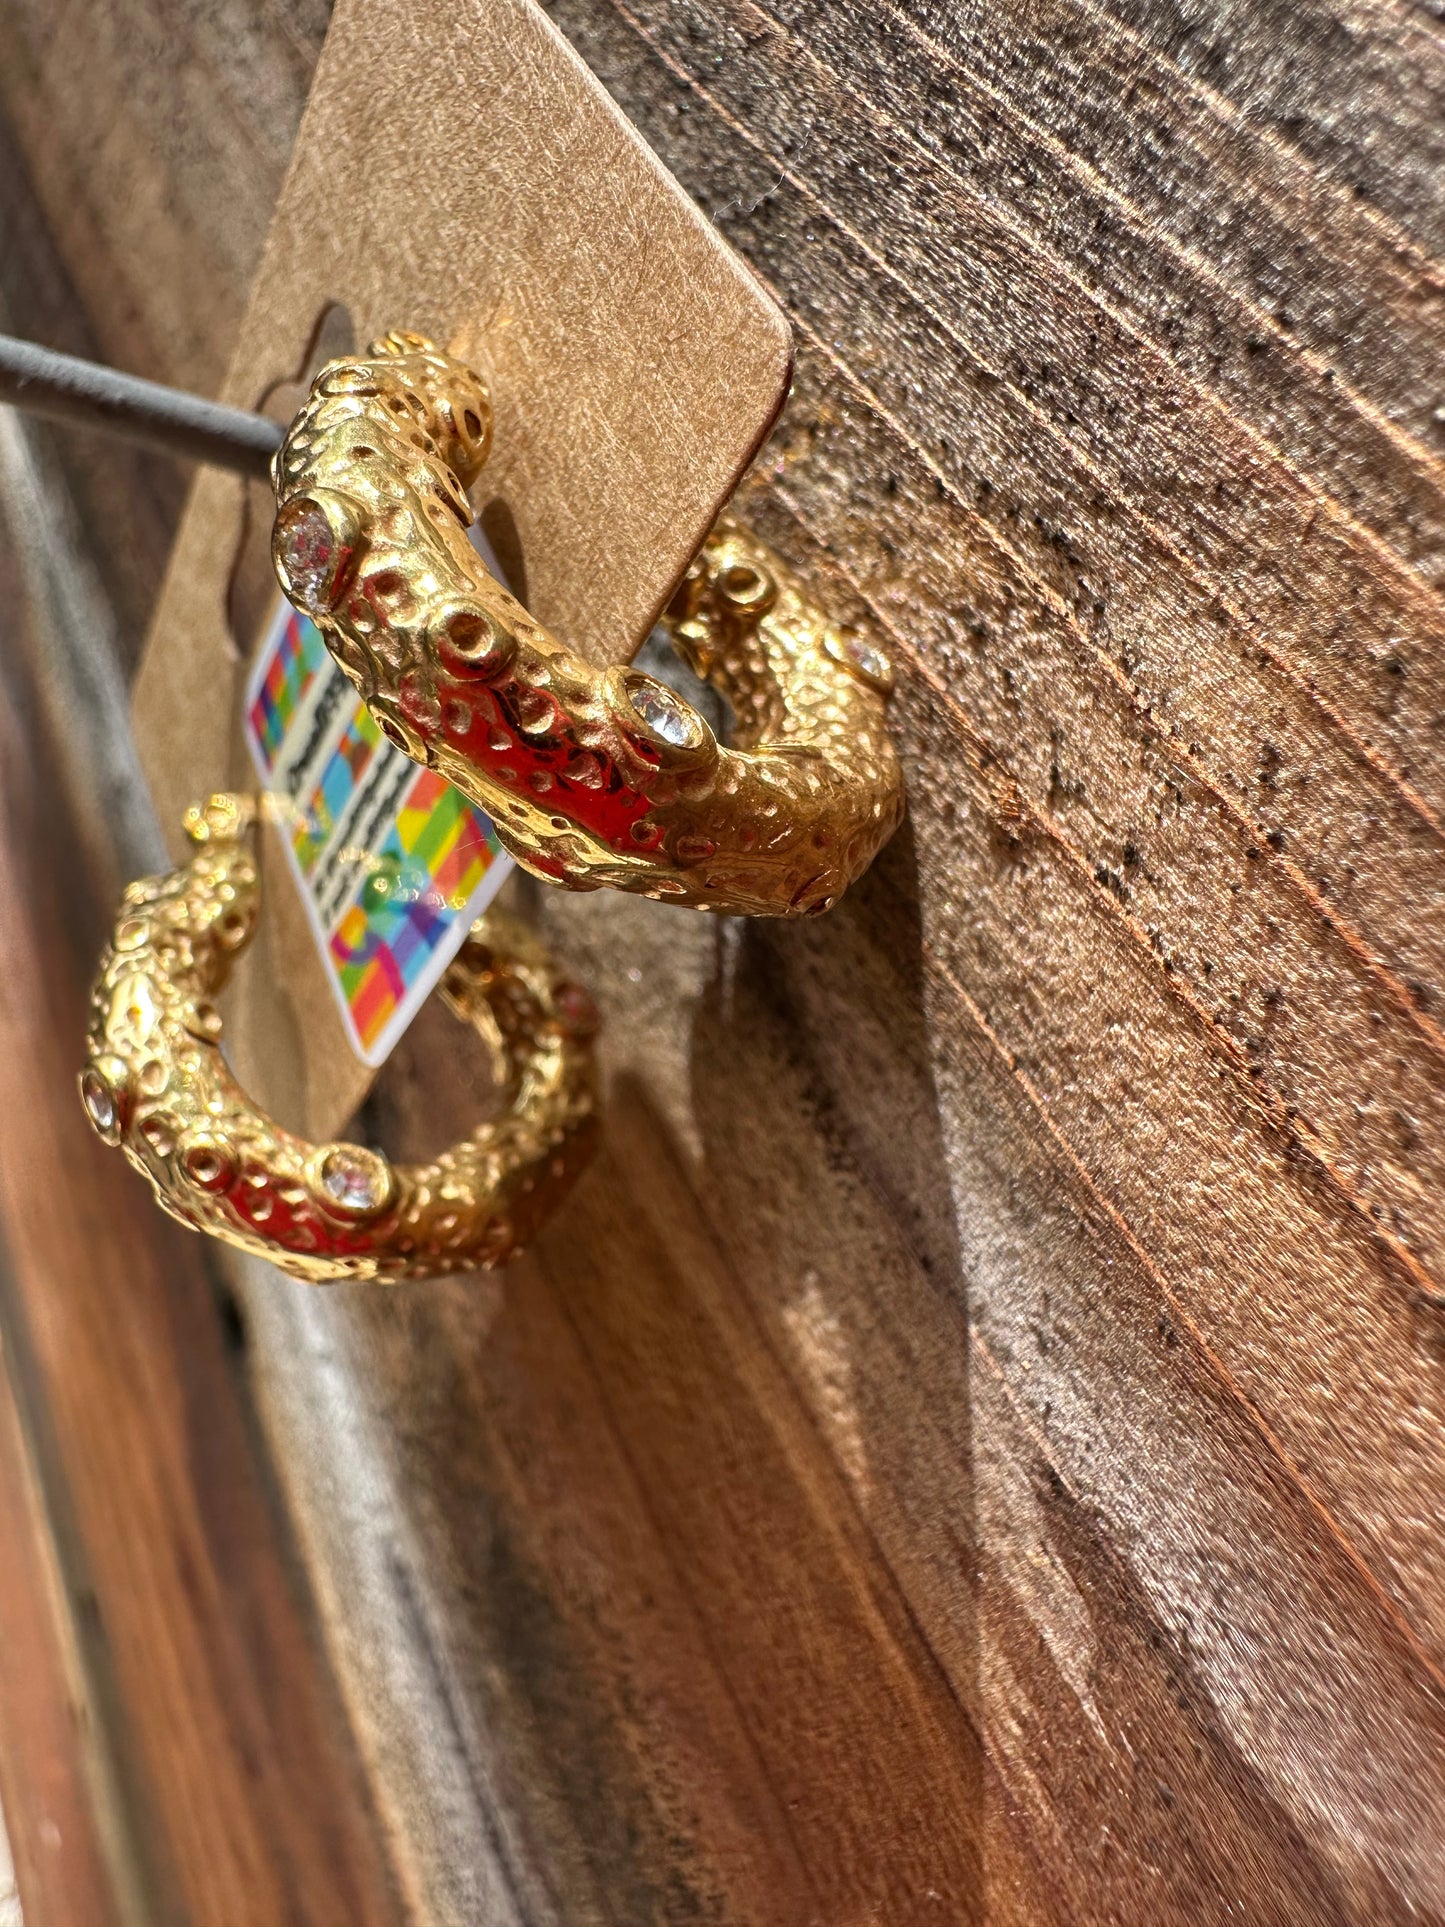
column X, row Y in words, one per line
column 392, row 863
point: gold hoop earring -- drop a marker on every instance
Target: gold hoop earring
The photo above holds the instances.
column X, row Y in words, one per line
column 592, row 777
column 157, row 1085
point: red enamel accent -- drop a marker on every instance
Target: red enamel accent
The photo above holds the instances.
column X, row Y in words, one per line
column 606, row 807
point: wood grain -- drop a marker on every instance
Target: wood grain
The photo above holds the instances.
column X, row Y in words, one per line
column 46, row 1792
column 971, row 1452
column 224, row 1784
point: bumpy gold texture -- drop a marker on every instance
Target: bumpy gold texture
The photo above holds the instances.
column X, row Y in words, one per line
column 591, row 776
column 157, row 1085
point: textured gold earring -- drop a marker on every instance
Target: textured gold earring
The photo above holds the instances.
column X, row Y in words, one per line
column 157, row 1085
column 592, row 777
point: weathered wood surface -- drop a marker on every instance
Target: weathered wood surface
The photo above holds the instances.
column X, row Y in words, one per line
column 168, row 1725
column 171, row 1742
column 972, row 1450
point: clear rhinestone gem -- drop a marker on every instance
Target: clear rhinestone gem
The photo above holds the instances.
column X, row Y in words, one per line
column 871, row 661
column 353, row 1179
column 306, row 547
column 665, row 714
column 99, row 1101
column 863, row 658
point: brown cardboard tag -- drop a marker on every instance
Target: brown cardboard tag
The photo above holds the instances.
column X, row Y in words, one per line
column 461, row 172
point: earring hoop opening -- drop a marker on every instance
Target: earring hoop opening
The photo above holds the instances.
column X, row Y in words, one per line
column 157, row 1085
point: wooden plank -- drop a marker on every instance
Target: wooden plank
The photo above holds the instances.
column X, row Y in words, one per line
column 234, row 1792
column 47, row 1777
